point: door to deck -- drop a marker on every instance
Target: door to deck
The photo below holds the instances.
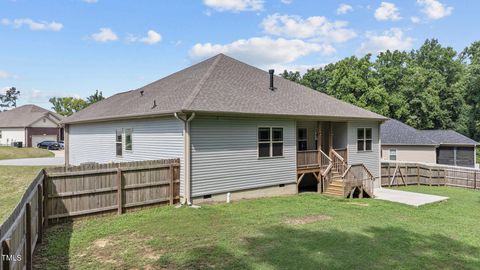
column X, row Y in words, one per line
column 314, row 141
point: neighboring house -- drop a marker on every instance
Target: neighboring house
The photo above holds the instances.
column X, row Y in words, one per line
column 401, row 142
column 29, row 124
column 235, row 128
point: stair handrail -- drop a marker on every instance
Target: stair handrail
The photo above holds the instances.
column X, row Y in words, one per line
column 338, row 160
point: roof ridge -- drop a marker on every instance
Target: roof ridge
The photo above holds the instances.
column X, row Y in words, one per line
column 188, row 102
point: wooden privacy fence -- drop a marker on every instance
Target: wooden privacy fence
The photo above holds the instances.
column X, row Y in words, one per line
column 23, row 229
column 409, row 173
column 65, row 192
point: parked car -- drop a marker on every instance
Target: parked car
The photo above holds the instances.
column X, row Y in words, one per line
column 62, row 144
column 50, row 145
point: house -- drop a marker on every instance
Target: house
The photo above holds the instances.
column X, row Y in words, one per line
column 236, row 129
column 401, row 142
column 29, row 124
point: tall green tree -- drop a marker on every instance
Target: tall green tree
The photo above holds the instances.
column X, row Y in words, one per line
column 66, row 106
column 95, row 97
column 470, row 85
column 9, row 99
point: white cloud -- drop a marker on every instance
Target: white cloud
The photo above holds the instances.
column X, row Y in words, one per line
column 5, row 75
column 393, row 39
column 344, row 9
column 415, row 19
column 261, row 51
column 234, row 5
column 387, row 11
column 90, row 1
column 151, row 38
column 286, row 2
column 105, row 35
column 33, row 25
column 317, row 27
column 434, row 9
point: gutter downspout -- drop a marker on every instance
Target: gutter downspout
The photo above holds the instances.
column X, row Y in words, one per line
column 186, row 157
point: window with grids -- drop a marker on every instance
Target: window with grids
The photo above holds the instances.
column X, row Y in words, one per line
column 118, row 142
column 364, row 139
column 270, row 142
column 301, row 139
column 393, row 154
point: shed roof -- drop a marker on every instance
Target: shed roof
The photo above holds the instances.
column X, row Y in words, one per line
column 26, row 115
column 449, row 137
column 395, row 132
column 221, row 84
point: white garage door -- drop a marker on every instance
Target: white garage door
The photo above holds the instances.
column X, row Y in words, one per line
column 40, row 138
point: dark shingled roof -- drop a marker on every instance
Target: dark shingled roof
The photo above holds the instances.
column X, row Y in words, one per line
column 448, row 137
column 25, row 116
column 397, row 133
column 221, row 85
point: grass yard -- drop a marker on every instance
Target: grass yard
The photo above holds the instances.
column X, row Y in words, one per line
column 298, row 232
column 7, row 152
column 14, row 180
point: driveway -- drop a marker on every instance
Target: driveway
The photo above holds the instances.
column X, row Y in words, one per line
column 58, row 160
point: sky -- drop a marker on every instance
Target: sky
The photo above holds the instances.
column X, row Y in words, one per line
column 74, row 47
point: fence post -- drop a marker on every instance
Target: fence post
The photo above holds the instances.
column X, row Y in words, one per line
column 474, row 180
column 40, row 213
column 418, row 175
column 5, row 254
column 119, row 191
column 430, row 178
column 172, row 176
column 45, row 199
column 28, row 236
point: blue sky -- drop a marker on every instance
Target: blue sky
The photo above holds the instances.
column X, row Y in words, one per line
column 73, row 47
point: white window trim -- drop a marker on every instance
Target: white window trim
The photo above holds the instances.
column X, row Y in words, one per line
column 117, row 142
column 131, row 138
column 390, row 154
column 271, row 142
column 364, row 139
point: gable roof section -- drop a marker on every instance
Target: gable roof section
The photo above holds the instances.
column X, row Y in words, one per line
column 394, row 132
column 26, row 115
column 221, row 85
column 449, row 137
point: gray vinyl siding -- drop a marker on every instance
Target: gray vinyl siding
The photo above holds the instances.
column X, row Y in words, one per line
column 224, row 155
column 371, row 159
column 158, row 138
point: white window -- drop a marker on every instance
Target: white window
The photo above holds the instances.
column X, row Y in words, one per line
column 393, row 154
column 364, row 139
column 0, row 134
column 301, row 139
column 128, row 139
column 118, row 142
column 270, row 142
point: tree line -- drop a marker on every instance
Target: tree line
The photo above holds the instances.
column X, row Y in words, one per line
column 433, row 87
column 65, row 106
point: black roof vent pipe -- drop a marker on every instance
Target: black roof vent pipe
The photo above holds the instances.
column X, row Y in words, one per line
column 272, row 87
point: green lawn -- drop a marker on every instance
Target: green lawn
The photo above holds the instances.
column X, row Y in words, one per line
column 7, row 152
column 13, row 182
column 309, row 231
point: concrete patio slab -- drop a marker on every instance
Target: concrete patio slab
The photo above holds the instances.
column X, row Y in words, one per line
column 406, row 197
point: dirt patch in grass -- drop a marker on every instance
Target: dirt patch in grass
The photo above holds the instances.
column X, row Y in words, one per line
column 307, row 219
column 111, row 250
